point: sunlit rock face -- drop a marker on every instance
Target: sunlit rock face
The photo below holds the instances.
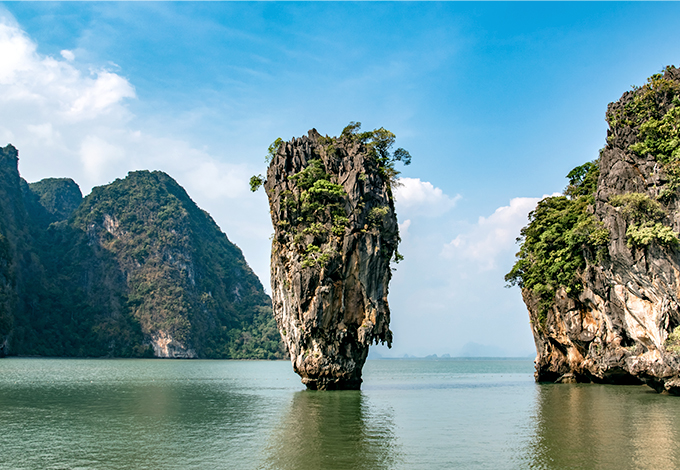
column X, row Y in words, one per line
column 335, row 233
column 619, row 329
column 166, row 346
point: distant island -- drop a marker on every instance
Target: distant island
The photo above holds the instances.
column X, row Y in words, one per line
column 135, row 269
column 599, row 266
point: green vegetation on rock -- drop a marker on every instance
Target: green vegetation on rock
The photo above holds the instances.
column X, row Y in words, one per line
column 647, row 103
column 60, row 197
column 654, row 114
column 672, row 343
column 562, row 234
column 645, row 233
column 643, row 214
column 379, row 143
column 315, row 213
column 133, row 261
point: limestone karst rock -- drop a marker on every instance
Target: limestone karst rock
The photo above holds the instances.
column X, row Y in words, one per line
column 606, row 306
column 335, row 234
column 135, row 268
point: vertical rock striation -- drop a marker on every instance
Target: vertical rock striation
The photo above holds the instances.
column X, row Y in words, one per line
column 618, row 320
column 335, row 234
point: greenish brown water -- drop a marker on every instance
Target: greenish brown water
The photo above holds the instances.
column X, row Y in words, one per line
column 411, row 414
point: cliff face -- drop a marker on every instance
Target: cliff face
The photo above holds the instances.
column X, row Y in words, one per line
column 618, row 320
column 335, row 234
column 15, row 235
column 187, row 285
column 133, row 269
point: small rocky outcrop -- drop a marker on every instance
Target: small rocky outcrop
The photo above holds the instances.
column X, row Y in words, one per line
column 58, row 197
column 614, row 314
column 335, row 233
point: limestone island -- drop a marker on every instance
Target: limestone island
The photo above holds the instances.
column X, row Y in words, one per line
column 336, row 232
column 133, row 269
column 599, row 267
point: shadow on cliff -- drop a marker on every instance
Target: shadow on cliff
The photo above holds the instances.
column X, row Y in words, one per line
column 604, row 427
column 337, row 430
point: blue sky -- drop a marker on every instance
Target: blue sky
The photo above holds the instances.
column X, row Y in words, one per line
column 495, row 101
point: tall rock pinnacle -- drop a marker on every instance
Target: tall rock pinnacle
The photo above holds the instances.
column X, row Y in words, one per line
column 335, row 234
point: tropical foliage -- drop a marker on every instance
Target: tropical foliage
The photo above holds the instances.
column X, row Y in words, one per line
column 314, row 213
column 654, row 115
column 562, row 234
column 643, row 214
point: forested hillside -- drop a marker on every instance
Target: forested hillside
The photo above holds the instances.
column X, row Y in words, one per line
column 133, row 269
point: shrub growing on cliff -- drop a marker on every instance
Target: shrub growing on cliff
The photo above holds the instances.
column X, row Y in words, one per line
column 644, row 214
column 272, row 149
column 647, row 102
column 562, row 234
column 582, row 180
column 672, row 344
column 255, row 182
column 314, row 212
column 637, row 207
column 654, row 116
column 379, row 143
column 644, row 234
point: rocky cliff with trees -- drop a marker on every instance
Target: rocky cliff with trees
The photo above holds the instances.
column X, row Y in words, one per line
column 336, row 233
column 133, row 269
column 599, row 266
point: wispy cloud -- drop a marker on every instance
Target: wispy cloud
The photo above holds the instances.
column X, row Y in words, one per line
column 421, row 198
column 72, row 119
column 491, row 236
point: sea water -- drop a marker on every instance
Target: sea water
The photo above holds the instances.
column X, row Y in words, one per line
column 410, row 414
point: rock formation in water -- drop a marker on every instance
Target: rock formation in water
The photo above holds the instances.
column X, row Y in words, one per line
column 600, row 266
column 133, row 269
column 335, row 234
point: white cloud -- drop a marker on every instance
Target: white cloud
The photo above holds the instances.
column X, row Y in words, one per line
column 417, row 197
column 68, row 55
column 403, row 228
column 15, row 51
column 44, row 132
column 99, row 94
column 492, row 236
column 67, row 121
column 73, row 119
column 50, row 87
column 219, row 179
column 98, row 155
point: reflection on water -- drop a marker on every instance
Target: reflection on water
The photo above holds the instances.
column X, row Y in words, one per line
column 605, row 427
column 91, row 414
column 243, row 415
column 333, row 430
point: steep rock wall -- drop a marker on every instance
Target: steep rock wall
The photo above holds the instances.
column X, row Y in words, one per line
column 619, row 327
column 335, row 233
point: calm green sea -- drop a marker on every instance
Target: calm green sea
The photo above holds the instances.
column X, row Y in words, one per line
column 411, row 414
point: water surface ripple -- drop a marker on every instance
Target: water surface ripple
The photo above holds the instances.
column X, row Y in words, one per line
column 411, row 414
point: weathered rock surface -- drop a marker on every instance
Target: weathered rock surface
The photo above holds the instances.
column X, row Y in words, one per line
column 616, row 330
column 335, row 233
